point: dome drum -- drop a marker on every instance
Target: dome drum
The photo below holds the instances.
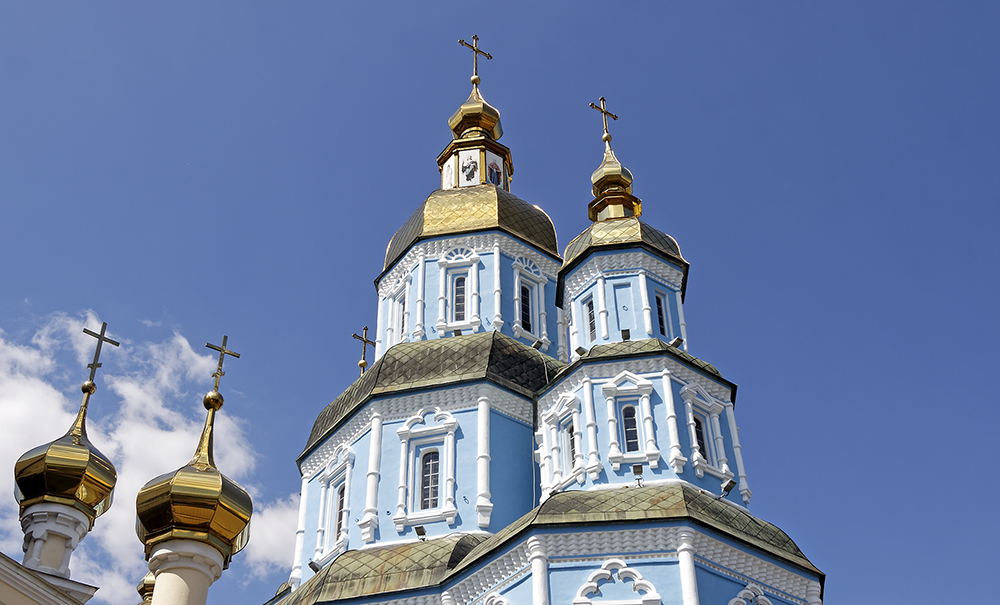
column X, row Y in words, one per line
column 614, row 204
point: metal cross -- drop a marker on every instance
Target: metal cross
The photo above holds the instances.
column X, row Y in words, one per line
column 101, row 339
column 223, row 351
column 605, row 113
column 364, row 348
column 475, row 54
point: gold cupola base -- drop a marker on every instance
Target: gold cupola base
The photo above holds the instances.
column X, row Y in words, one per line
column 474, row 156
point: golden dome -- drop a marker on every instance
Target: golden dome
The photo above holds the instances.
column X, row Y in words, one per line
column 69, row 470
column 611, row 175
column 196, row 502
column 469, row 209
column 475, row 118
column 145, row 588
column 620, row 233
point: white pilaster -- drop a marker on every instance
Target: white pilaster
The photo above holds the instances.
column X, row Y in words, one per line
column 680, row 318
column 561, row 337
column 400, row 517
column 593, row 460
column 813, row 592
column 517, row 327
column 418, row 329
column 324, row 487
column 379, row 326
column 574, row 331
column 647, row 313
column 602, row 307
column 484, row 505
column 51, row 534
column 497, row 317
column 685, row 560
column 295, row 578
column 677, row 459
column 738, row 450
column 720, row 445
column 614, row 451
column 697, row 458
column 442, row 297
column 184, row 571
column 539, row 572
column 652, row 452
column 369, row 522
column 474, row 287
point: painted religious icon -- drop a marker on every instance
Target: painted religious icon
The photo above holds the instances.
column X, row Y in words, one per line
column 493, row 173
column 448, row 174
column 469, row 169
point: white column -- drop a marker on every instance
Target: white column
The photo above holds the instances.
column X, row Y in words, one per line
column 602, row 307
column 474, row 287
column 552, row 431
column 561, row 337
column 369, row 522
column 51, row 533
column 593, row 461
column 577, row 438
column 400, row 517
column 449, row 480
column 379, row 325
column 418, row 329
column 391, row 321
column 544, row 463
column 295, row 578
column 685, row 560
column 677, row 459
column 344, row 514
column 720, row 445
column 813, row 591
column 614, row 451
column 484, row 505
column 688, row 394
column 184, row 571
column 324, row 487
column 574, row 333
column 647, row 315
column 406, row 310
column 543, row 329
column 680, row 318
column 497, row 318
column 442, row 297
column 652, row 452
column 447, row 599
column 738, row 450
column 539, row 572
column 516, row 325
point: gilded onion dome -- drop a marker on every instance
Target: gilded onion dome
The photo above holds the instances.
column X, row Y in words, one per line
column 475, row 118
column 69, row 470
column 196, row 502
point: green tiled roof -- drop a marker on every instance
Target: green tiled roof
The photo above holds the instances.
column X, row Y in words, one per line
column 661, row 502
column 373, row 571
column 444, row 361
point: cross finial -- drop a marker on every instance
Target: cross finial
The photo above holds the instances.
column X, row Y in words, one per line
column 223, row 351
column 101, row 339
column 605, row 114
column 475, row 57
column 364, row 348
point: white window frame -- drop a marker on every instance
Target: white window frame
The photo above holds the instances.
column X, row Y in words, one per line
column 553, row 440
column 337, row 473
column 660, row 300
column 527, row 273
column 699, row 403
column 399, row 311
column 589, row 313
column 624, row 389
column 460, row 260
column 416, row 437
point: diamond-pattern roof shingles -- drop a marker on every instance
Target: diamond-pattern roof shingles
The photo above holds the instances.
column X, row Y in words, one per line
column 622, row 231
column 444, row 361
column 372, row 571
column 467, row 209
column 651, row 503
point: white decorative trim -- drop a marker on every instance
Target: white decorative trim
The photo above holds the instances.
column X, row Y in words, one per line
column 47, row 591
column 295, row 577
column 480, row 242
column 527, row 272
column 680, row 319
column 602, row 307
column 607, row 574
column 647, row 367
column 495, row 599
column 561, row 336
column 685, row 560
column 593, row 458
column 337, row 473
column 45, row 519
column 551, row 439
column 484, row 504
column 369, row 520
column 174, row 556
column 401, row 406
column 458, row 257
column 709, row 408
column 411, row 436
column 647, row 311
column 751, row 595
column 497, row 300
column 624, row 262
column 738, row 449
column 539, row 572
column 631, row 386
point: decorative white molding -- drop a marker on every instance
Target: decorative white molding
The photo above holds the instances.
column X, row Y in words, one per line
column 458, row 257
column 751, row 595
column 738, row 449
column 626, row 384
column 484, row 504
column 41, row 521
column 527, row 272
column 685, row 559
column 539, row 572
column 561, row 336
column 602, row 307
column 49, row 591
column 338, row 472
column 396, row 407
column 680, row 318
column 707, row 407
column 418, row 329
column 551, row 438
column 369, row 519
column 172, row 558
column 677, row 459
column 479, row 242
column 295, row 577
column 411, row 436
column 495, row 599
column 497, row 316
column 647, row 311
column 593, row 458
column 607, row 573
column 630, row 262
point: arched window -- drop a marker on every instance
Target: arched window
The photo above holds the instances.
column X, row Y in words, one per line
column 429, row 464
column 459, row 298
column 631, row 428
column 526, row 308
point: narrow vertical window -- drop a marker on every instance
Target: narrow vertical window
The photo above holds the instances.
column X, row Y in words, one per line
column 661, row 314
column 572, row 446
column 526, row 308
column 341, row 494
column 429, row 480
column 591, row 322
column 631, row 428
column 699, row 434
column 460, row 298
column 402, row 320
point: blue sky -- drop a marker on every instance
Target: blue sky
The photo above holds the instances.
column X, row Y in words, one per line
column 189, row 170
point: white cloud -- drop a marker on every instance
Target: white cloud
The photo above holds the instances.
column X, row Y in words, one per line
column 150, row 323
column 146, row 417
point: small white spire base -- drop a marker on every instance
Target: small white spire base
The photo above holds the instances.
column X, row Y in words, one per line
column 184, row 571
column 51, row 533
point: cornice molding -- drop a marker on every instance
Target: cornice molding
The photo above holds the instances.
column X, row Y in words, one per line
column 646, row 367
column 621, row 263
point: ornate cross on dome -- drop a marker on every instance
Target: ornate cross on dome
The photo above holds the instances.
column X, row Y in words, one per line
column 475, row 57
column 605, row 113
column 101, row 339
column 364, row 348
column 223, row 351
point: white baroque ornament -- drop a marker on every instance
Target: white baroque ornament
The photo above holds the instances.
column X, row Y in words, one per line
column 647, row 594
column 751, row 595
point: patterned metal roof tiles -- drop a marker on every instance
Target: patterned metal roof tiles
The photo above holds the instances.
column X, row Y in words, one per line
column 468, row 209
column 614, row 232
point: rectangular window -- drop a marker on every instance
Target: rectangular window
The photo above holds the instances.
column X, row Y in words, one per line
column 661, row 313
column 699, row 434
column 459, row 306
column 630, row 427
column 591, row 321
column 429, row 480
column 341, row 494
column 526, row 308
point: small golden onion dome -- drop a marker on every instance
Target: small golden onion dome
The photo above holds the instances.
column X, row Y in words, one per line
column 69, row 471
column 611, row 175
column 476, row 118
column 145, row 588
column 196, row 502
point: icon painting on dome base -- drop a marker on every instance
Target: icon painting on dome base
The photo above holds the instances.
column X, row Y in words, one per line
column 468, row 162
column 448, row 174
column 494, row 169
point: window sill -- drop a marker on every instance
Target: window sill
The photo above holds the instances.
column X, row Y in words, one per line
column 447, row 514
column 653, row 458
